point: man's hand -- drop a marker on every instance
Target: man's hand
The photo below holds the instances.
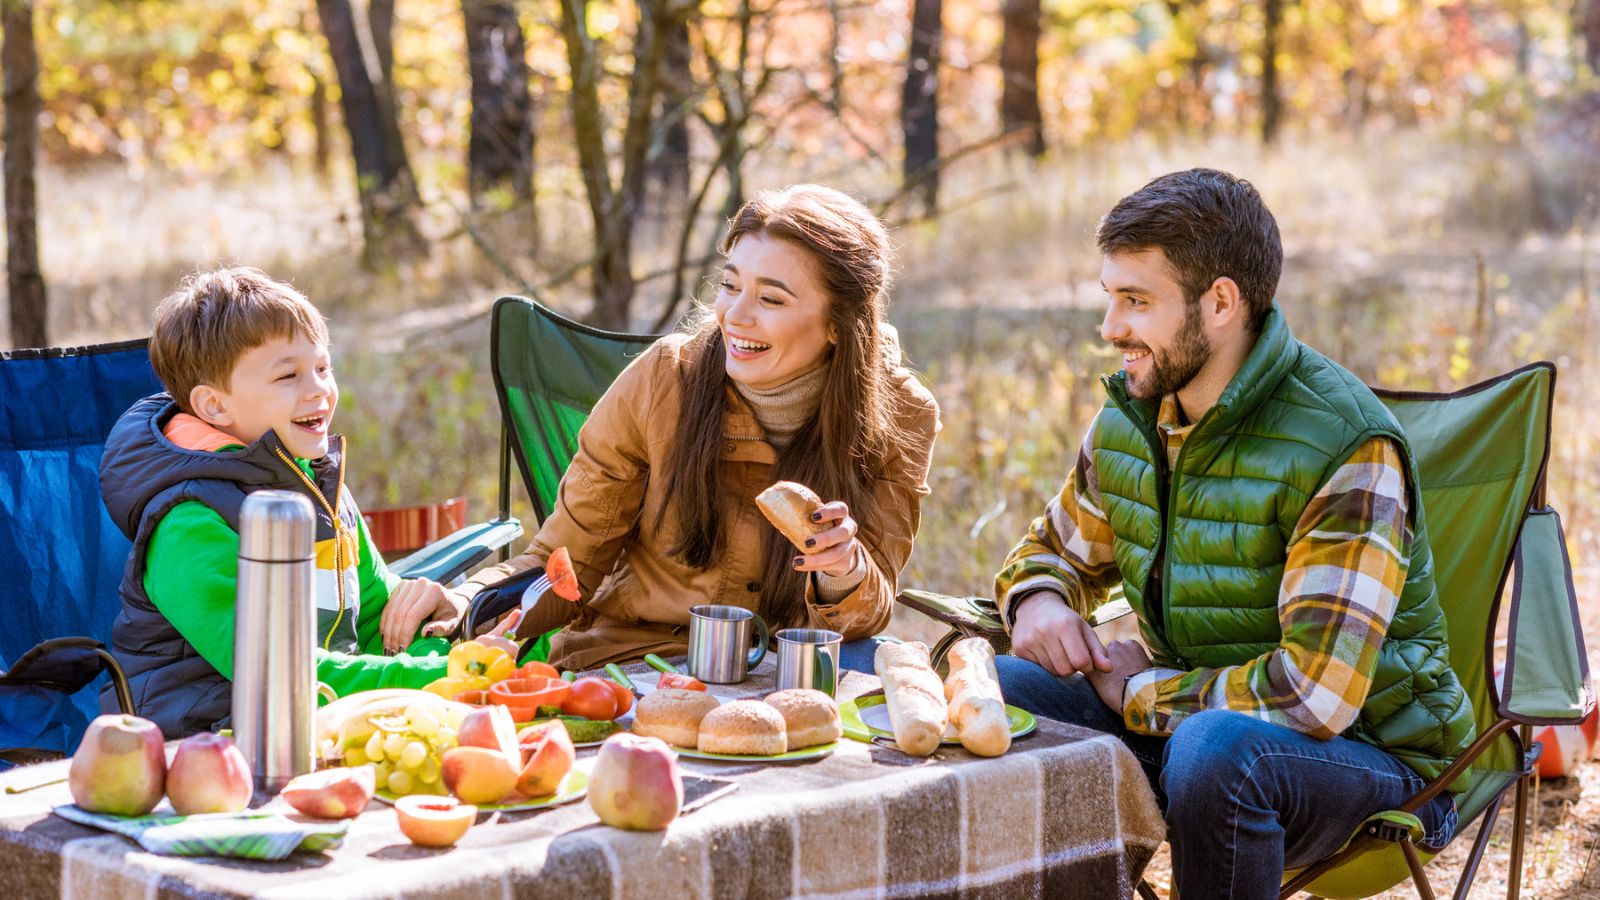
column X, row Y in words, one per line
column 1127, row 658
column 1049, row 633
column 413, row 601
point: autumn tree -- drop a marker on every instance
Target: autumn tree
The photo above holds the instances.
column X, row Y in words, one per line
column 500, row 140
column 919, row 104
column 24, row 278
column 1271, row 102
column 363, row 56
column 1019, row 73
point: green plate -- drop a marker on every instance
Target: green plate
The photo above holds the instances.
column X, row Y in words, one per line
column 866, row 717
column 575, row 785
column 816, row 752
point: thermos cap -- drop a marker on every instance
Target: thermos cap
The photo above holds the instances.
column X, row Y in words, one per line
column 277, row 526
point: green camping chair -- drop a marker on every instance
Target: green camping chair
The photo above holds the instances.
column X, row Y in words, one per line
column 1481, row 454
column 549, row 372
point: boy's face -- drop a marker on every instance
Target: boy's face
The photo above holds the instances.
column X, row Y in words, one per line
column 285, row 385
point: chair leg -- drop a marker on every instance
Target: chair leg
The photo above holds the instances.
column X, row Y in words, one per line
column 1470, row 871
column 1519, row 830
column 1418, row 877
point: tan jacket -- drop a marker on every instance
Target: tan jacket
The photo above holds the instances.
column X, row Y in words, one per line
column 636, row 595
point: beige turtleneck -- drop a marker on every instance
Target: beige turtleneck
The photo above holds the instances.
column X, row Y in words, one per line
column 782, row 411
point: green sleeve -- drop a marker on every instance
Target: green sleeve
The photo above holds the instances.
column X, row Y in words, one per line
column 377, row 583
column 192, row 575
column 346, row 673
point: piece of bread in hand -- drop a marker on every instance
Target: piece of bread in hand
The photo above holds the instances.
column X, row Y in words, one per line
column 788, row 506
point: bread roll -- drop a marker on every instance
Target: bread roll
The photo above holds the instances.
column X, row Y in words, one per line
column 809, row 717
column 673, row 715
column 788, row 506
column 976, row 707
column 745, row 727
column 914, row 696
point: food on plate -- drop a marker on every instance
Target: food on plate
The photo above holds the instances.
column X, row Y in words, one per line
column 679, row 681
column 434, row 821
column 673, row 715
column 547, row 756
column 635, row 783
column 119, row 766
column 914, row 695
column 743, row 727
column 524, row 696
column 535, row 669
column 338, row 793
column 351, row 720
column 450, row 686
column 809, row 717
column 491, row 728
column 973, row 691
column 402, row 741
column 489, row 660
column 624, row 699
column 587, row 731
column 558, row 569
column 478, row 774
column 788, row 506
column 591, row 698
column 208, row 775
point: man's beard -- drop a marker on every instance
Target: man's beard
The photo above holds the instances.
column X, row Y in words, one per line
column 1171, row 370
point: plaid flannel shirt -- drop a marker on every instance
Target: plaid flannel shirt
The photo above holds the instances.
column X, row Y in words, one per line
column 1347, row 563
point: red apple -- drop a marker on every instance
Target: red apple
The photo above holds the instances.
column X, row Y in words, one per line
column 119, row 767
column 208, row 775
column 337, row 793
column 635, row 783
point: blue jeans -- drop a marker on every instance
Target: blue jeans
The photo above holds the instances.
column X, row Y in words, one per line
column 858, row 655
column 1244, row 799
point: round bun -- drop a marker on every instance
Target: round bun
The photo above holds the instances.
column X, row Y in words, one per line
column 788, row 506
column 743, row 727
column 673, row 715
column 809, row 717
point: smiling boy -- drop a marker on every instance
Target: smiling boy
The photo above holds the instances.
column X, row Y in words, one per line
column 251, row 398
column 1256, row 503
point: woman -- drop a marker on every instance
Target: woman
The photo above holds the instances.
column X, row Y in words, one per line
column 794, row 376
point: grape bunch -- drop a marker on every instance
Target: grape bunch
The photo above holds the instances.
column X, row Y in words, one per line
column 404, row 750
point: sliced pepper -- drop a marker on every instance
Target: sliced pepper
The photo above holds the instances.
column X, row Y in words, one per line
column 473, row 658
column 451, row 685
column 679, row 681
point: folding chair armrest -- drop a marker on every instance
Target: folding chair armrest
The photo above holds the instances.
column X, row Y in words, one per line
column 1547, row 668
column 454, row 555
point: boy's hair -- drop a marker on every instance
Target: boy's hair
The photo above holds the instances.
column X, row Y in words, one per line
column 213, row 318
column 1209, row 224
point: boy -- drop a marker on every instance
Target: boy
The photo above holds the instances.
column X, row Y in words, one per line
column 251, row 396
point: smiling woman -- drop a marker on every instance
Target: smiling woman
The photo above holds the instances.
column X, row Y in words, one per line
column 790, row 375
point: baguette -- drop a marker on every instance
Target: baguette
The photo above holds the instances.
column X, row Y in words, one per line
column 911, row 690
column 976, row 707
column 788, row 506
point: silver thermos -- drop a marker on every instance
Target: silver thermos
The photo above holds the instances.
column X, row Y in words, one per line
column 274, row 675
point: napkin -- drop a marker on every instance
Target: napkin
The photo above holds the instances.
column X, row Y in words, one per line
column 247, row 835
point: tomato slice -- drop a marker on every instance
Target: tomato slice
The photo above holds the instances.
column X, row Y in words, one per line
column 679, row 681
column 562, row 579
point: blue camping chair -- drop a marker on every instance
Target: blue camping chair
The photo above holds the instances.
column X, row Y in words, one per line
column 61, row 556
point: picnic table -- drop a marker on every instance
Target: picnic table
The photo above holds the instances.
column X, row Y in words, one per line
column 1067, row 812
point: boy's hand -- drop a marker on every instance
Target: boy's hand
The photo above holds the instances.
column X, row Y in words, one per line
column 415, row 600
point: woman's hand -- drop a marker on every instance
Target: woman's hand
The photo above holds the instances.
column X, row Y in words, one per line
column 413, row 601
column 834, row 551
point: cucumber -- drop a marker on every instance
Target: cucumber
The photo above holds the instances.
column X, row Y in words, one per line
column 586, row 731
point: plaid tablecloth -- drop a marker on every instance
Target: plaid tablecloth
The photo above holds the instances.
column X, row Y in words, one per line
column 1066, row 813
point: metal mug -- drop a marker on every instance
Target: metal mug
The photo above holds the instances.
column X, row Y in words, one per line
column 809, row 658
column 720, row 639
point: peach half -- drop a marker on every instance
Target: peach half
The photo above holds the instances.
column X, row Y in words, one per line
column 431, row 821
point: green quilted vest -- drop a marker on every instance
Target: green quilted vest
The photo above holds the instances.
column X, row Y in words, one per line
column 1220, row 521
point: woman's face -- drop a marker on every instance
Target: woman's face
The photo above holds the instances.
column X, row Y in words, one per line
column 773, row 312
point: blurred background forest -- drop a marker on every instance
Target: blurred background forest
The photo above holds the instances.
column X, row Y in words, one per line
column 1434, row 166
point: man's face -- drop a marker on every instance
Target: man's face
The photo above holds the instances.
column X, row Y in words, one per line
column 285, row 385
column 1160, row 334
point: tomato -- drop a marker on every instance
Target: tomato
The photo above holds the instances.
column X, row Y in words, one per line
column 536, row 669
column 562, row 579
column 591, row 698
column 624, row 698
column 680, row 681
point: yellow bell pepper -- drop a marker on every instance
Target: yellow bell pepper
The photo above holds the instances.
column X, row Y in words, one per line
column 451, row 685
column 473, row 658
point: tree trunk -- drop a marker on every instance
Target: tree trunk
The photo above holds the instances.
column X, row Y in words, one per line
column 669, row 165
column 1271, row 103
column 1019, row 72
column 919, row 104
column 500, row 148
column 24, row 278
column 1591, row 35
column 362, row 57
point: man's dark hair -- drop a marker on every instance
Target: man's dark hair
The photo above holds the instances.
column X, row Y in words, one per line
column 1209, row 224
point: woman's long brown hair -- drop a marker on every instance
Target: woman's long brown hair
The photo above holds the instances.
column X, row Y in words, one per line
column 845, row 441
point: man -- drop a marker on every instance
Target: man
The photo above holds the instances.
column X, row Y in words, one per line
column 1256, row 502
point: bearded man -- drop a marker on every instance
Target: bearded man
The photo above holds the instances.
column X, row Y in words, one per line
column 1258, row 506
